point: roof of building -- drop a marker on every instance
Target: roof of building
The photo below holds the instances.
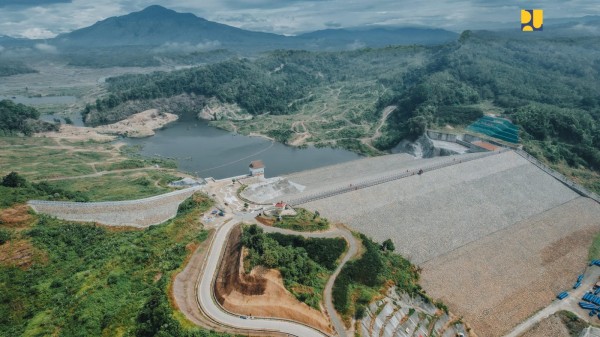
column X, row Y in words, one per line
column 280, row 204
column 485, row 145
column 256, row 164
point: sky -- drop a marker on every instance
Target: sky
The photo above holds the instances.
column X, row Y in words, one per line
column 47, row 18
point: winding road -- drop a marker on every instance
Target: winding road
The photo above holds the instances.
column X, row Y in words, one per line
column 211, row 308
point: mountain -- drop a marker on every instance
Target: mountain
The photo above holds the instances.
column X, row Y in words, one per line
column 158, row 26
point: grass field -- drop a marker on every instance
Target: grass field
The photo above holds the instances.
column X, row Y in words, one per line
column 45, row 159
column 119, row 186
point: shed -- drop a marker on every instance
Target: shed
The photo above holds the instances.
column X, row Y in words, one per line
column 257, row 168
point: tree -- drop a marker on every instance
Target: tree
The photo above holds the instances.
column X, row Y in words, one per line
column 388, row 245
column 13, row 179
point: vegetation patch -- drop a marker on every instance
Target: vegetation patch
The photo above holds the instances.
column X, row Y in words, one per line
column 361, row 281
column 303, row 221
column 98, row 282
column 305, row 264
column 16, row 118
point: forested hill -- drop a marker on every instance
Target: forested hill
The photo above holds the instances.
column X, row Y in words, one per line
column 20, row 119
column 278, row 83
column 548, row 86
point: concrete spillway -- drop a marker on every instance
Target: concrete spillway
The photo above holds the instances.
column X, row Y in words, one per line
column 136, row 213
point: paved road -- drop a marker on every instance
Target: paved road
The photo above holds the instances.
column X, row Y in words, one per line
column 570, row 303
column 209, row 305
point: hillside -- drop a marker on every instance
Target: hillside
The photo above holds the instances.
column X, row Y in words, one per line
column 546, row 85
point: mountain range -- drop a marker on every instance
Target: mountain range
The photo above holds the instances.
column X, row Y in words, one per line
column 159, row 26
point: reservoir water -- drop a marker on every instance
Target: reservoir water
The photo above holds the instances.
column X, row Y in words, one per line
column 210, row 152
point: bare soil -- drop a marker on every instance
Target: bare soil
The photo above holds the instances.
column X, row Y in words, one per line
column 20, row 253
column 260, row 293
column 138, row 125
column 501, row 279
column 15, row 217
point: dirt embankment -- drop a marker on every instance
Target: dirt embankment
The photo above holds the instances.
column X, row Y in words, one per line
column 138, row 125
column 261, row 292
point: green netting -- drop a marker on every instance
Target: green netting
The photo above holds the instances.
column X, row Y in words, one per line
column 496, row 128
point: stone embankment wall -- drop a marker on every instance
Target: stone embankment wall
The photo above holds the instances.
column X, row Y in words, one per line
column 136, row 213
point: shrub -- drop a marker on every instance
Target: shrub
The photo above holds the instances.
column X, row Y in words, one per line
column 5, row 236
column 13, row 179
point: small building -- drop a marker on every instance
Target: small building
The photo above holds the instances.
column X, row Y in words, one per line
column 281, row 205
column 257, row 168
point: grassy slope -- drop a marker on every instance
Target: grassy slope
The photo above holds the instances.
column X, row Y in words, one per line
column 44, row 158
column 88, row 280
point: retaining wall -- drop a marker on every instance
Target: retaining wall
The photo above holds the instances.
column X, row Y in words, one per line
column 136, row 213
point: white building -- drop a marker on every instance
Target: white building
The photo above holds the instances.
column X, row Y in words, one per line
column 257, row 168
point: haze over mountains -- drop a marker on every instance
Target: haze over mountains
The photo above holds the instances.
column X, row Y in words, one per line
column 156, row 26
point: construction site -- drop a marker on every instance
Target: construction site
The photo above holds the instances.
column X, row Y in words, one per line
column 496, row 234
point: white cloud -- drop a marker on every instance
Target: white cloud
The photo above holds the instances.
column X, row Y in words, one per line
column 187, row 47
column 36, row 33
column 46, row 48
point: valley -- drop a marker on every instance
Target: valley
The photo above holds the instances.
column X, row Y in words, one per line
column 166, row 175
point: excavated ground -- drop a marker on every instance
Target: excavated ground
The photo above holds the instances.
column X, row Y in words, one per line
column 260, row 293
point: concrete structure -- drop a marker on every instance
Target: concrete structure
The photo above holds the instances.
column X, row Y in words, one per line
column 257, row 168
column 443, row 136
column 135, row 213
column 590, row 332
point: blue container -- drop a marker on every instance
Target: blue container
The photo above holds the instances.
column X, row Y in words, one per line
column 580, row 278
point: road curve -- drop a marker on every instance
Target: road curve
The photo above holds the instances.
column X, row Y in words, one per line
column 209, row 305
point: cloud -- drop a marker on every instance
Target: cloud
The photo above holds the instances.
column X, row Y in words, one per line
column 1, row 49
column 187, row 47
column 356, row 45
column 30, row 3
column 46, row 48
column 45, row 18
column 37, row 33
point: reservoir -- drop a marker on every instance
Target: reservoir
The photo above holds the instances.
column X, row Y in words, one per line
column 210, row 152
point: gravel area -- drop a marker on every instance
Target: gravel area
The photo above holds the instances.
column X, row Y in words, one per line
column 551, row 326
column 432, row 214
column 500, row 280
